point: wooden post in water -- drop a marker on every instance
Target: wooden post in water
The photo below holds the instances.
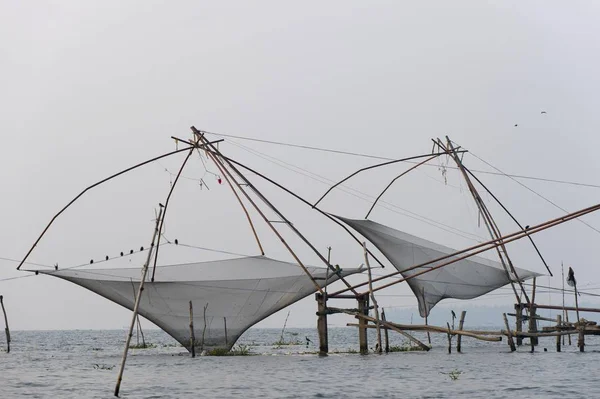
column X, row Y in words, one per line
column 322, row 323
column 136, row 304
column 460, row 327
column 567, row 319
column 6, row 329
column 519, row 318
column 581, row 340
column 225, row 325
column 511, row 343
column 558, row 328
column 387, row 339
column 449, row 339
column 532, row 319
column 363, row 308
column 192, row 338
column 375, row 306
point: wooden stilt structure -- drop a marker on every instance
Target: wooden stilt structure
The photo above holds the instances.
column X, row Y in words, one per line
column 558, row 327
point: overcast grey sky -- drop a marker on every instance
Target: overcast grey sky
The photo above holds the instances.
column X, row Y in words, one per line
column 88, row 89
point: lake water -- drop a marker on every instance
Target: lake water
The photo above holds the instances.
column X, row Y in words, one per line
column 84, row 364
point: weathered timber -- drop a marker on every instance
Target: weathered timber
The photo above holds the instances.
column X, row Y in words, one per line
column 558, row 337
column 511, row 343
column 444, row 330
column 449, row 338
column 322, row 323
column 460, row 327
column 519, row 321
column 6, row 329
column 532, row 318
column 363, row 306
column 192, row 338
column 387, row 338
column 375, row 306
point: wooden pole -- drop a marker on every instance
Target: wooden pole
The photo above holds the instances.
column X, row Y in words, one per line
column 449, row 339
column 581, row 340
column 6, row 329
column 322, row 324
column 204, row 328
column 567, row 319
column 225, row 325
column 558, row 327
column 400, row 328
column 511, row 343
column 519, row 319
column 375, row 306
column 532, row 320
column 387, row 338
column 363, row 309
column 428, row 335
column 137, row 303
column 460, row 327
column 577, row 305
column 192, row 338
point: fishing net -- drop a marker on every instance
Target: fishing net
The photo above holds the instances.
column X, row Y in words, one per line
column 237, row 294
column 464, row 279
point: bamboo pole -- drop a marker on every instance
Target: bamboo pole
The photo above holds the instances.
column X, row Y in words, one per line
column 225, row 171
column 387, row 339
column 6, row 329
column 137, row 303
column 558, row 326
column 192, row 338
column 89, row 188
column 480, row 335
column 204, row 329
column 511, row 343
column 375, row 306
column 460, row 327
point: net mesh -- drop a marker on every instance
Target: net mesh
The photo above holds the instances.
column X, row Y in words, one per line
column 239, row 293
column 464, row 279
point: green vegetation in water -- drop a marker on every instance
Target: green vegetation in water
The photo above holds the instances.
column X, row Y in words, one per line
column 239, row 350
column 454, row 374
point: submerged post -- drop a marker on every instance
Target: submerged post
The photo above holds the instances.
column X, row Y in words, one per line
column 322, row 323
column 532, row 319
column 558, row 329
column 449, row 339
column 387, row 338
column 511, row 343
column 136, row 305
column 519, row 318
column 6, row 329
column 460, row 327
column 192, row 338
column 567, row 320
column 581, row 340
column 363, row 308
column 225, row 326
column 375, row 305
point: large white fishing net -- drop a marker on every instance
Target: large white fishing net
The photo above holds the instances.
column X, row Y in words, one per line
column 464, row 279
column 239, row 293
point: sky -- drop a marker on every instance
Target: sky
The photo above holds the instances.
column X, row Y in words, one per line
column 89, row 89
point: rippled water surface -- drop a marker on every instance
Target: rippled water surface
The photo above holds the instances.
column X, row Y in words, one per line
column 84, row 364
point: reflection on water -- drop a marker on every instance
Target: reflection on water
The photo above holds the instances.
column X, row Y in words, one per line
column 84, row 364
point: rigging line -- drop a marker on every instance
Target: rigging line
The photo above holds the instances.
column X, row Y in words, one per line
column 535, row 192
column 366, row 197
column 28, row 263
column 390, row 159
